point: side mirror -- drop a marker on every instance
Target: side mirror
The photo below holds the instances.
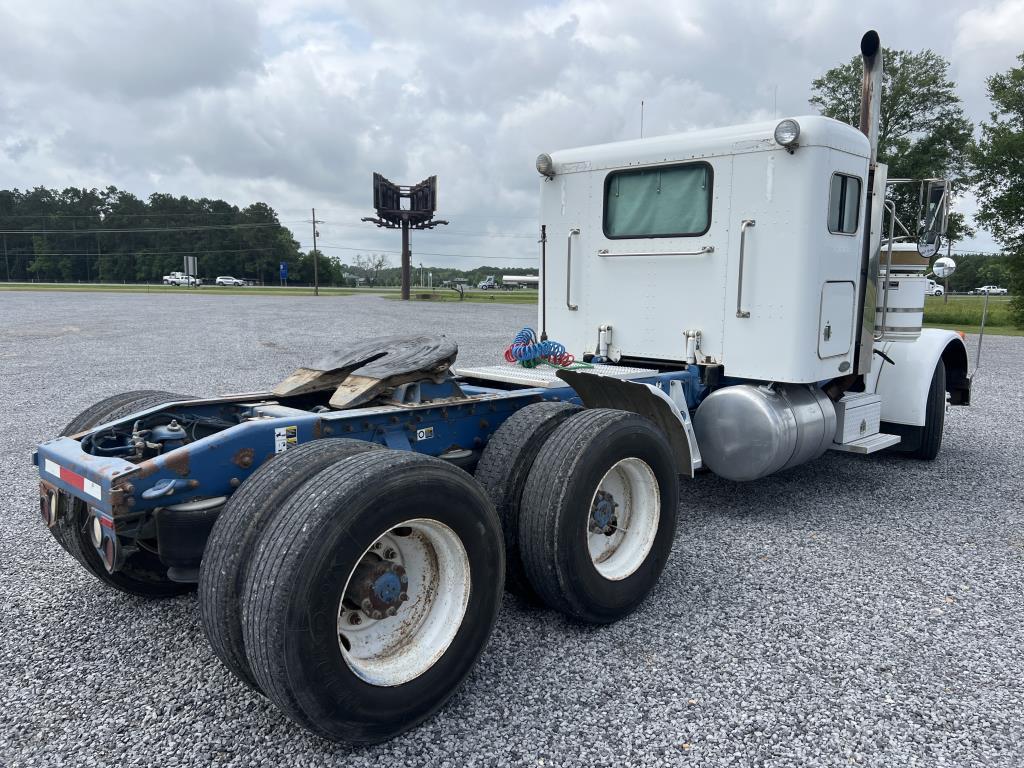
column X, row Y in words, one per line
column 936, row 217
column 943, row 267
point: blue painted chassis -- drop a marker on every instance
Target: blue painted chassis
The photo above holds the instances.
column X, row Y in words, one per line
column 216, row 465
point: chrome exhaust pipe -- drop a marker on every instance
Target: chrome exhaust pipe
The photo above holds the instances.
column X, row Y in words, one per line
column 871, row 89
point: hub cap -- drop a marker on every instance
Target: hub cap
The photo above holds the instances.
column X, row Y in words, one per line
column 623, row 522
column 404, row 602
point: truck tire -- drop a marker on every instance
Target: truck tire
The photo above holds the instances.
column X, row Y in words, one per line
column 935, row 416
column 597, row 469
column 243, row 519
column 327, row 634
column 502, row 470
column 924, row 442
column 142, row 574
column 119, row 405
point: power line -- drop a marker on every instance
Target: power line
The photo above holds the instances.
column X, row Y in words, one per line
column 446, row 232
column 114, row 214
column 141, row 252
column 427, row 253
column 208, row 227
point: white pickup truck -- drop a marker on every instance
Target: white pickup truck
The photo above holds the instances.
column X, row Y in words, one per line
column 180, row 278
column 991, row 290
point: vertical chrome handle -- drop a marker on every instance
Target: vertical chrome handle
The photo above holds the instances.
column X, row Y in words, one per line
column 889, row 206
column 568, row 269
column 744, row 225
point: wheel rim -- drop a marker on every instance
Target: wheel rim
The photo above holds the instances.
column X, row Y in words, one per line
column 404, row 602
column 624, row 514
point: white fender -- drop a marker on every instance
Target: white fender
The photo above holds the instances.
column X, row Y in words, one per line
column 903, row 385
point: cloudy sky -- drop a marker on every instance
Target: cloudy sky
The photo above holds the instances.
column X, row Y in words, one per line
column 297, row 102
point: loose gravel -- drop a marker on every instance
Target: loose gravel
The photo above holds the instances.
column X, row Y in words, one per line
column 858, row 610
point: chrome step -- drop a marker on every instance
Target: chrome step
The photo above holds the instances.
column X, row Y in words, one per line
column 871, row 444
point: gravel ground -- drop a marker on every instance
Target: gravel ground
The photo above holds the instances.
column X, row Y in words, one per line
column 858, row 610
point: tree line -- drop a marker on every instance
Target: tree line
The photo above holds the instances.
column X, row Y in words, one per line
column 109, row 235
column 112, row 236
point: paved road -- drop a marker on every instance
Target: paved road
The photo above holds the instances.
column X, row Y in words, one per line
column 853, row 611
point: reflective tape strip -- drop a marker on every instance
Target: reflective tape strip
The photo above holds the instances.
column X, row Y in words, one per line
column 75, row 480
column 890, row 310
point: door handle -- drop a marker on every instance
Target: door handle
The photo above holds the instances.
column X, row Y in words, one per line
column 744, row 226
column 568, row 269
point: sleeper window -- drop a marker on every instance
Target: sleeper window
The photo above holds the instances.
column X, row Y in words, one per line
column 670, row 201
column 844, row 204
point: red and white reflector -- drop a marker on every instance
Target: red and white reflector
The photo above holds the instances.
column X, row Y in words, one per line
column 75, row 480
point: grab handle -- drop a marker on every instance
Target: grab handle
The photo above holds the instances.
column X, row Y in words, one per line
column 744, row 226
column 568, row 269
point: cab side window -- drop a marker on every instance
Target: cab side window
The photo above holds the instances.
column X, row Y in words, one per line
column 844, row 204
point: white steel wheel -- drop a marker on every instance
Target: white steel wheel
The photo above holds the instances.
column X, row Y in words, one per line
column 624, row 515
column 404, row 602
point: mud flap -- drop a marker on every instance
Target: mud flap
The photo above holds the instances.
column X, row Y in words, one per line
column 670, row 414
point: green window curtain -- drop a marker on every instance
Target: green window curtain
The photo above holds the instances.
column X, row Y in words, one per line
column 654, row 202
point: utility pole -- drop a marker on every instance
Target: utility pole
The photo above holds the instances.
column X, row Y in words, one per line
column 7, row 263
column 641, row 118
column 406, row 257
column 949, row 255
column 316, row 271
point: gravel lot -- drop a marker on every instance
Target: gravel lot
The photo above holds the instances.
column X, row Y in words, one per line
column 859, row 610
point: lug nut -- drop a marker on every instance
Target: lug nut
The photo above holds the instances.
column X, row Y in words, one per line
column 391, row 611
column 366, row 605
column 404, row 579
column 389, row 554
column 403, row 597
column 354, row 619
column 376, row 615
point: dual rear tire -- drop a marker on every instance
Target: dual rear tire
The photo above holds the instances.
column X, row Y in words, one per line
column 354, row 586
column 587, row 501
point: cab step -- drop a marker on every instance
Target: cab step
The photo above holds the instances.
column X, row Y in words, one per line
column 870, row 444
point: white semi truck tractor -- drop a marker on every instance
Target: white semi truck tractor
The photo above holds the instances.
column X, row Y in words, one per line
column 767, row 256
column 741, row 300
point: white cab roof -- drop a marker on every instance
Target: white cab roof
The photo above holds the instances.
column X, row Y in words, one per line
column 815, row 130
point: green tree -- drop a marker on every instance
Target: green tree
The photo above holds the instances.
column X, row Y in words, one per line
column 999, row 161
column 923, row 131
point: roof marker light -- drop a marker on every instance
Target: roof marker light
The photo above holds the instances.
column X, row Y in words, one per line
column 787, row 134
column 545, row 166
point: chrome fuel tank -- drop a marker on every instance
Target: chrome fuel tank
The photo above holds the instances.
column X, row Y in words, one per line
column 748, row 431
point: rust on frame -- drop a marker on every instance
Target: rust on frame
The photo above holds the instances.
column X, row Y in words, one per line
column 243, row 458
column 178, row 462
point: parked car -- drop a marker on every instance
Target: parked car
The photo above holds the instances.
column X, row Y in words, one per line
column 992, row 290
column 228, row 280
column 934, row 289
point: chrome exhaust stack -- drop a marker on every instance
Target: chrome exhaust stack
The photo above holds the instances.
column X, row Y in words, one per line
column 870, row 115
column 871, row 89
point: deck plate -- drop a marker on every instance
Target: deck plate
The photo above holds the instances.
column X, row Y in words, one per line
column 544, row 375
